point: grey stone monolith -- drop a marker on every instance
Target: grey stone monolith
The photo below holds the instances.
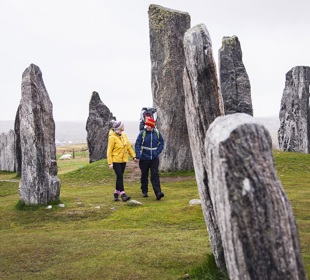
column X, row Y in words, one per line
column 7, row 151
column 234, row 80
column 256, row 221
column 167, row 28
column 294, row 131
column 97, row 127
column 18, row 150
column 39, row 183
column 203, row 104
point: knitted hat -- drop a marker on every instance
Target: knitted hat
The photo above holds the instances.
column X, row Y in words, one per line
column 150, row 122
column 118, row 125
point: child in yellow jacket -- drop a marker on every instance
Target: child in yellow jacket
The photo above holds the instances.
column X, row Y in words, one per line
column 117, row 155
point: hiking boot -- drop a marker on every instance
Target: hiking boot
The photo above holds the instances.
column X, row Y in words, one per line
column 125, row 197
column 159, row 196
column 145, row 195
column 116, row 197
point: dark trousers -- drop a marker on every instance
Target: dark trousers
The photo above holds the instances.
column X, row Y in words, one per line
column 119, row 169
column 145, row 166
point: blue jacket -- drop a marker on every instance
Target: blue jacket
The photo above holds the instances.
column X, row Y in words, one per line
column 151, row 146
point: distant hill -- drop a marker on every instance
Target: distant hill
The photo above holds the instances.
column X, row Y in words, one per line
column 273, row 125
column 74, row 132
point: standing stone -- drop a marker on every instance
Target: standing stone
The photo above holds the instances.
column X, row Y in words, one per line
column 294, row 131
column 39, row 183
column 97, row 127
column 235, row 83
column 203, row 103
column 7, row 151
column 18, row 150
column 167, row 28
column 256, row 221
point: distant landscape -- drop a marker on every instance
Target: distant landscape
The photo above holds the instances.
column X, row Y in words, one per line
column 74, row 132
column 68, row 132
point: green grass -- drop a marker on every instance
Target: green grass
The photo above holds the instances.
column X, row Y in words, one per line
column 208, row 270
column 294, row 173
column 93, row 237
column 65, row 166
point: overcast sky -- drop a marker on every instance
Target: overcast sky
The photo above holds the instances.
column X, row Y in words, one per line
column 83, row 46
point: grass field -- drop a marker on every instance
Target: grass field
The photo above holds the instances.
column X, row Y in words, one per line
column 93, row 237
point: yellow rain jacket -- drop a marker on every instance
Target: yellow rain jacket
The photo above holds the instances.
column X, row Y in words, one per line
column 118, row 148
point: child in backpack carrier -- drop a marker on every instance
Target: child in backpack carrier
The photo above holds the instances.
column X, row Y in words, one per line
column 146, row 113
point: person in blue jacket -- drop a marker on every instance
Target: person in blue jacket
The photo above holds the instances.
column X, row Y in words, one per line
column 149, row 145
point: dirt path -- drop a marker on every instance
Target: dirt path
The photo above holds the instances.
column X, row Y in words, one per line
column 133, row 173
column 14, row 181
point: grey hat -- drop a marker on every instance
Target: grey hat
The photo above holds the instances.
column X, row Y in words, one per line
column 118, row 125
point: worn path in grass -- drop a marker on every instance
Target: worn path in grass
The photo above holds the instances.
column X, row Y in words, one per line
column 133, row 173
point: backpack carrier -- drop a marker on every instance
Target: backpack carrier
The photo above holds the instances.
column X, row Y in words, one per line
column 147, row 110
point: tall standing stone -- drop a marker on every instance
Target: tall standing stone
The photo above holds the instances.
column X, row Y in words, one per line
column 97, row 127
column 39, row 183
column 18, row 150
column 7, row 151
column 203, row 103
column 235, row 83
column 256, row 221
column 294, row 131
column 167, row 28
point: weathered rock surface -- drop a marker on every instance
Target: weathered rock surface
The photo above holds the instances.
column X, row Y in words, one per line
column 39, row 183
column 234, row 80
column 167, row 28
column 256, row 221
column 7, row 151
column 294, row 131
column 97, row 127
column 203, row 103
column 18, row 149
